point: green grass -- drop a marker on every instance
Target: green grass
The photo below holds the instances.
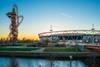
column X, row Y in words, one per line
column 61, row 49
column 47, row 49
column 16, row 49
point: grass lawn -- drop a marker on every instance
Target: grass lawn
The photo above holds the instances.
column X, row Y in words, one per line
column 47, row 49
column 16, row 49
column 61, row 49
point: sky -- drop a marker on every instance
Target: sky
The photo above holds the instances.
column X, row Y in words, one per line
column 40, row 14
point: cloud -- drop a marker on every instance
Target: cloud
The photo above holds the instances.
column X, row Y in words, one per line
column 66, row 15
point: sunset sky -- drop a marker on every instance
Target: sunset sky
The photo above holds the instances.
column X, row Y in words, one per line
column 40, row 14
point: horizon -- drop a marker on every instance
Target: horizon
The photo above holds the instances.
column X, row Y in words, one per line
column 40, row 14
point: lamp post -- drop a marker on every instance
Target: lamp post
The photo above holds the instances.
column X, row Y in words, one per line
column 70, row 57
column 51, row 30
column 93, row 30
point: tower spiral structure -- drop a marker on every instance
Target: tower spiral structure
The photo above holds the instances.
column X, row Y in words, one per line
column 14, row 18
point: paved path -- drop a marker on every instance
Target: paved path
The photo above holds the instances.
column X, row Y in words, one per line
column 39, row 50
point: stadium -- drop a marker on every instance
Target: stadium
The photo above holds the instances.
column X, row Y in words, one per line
column 72, row 36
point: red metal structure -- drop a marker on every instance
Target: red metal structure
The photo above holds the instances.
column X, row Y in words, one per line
column 93, row 47
column 14, row 17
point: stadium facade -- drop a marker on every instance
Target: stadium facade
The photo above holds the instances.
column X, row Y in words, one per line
column 70, row 36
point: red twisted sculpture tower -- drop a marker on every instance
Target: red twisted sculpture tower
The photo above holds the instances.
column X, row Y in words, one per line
column 14, row 17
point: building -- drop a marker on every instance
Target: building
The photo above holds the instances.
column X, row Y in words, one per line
column 72, row 36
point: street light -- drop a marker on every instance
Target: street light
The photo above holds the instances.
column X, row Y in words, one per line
column 70, row 57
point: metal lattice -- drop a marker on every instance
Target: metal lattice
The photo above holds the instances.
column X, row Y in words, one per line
column 14, row 17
